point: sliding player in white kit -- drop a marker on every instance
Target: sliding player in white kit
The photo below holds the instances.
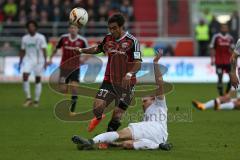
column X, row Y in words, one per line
column 151, row 133
column 32, row 59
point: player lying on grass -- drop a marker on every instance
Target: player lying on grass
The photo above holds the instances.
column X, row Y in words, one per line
column 219, row 103
column 151, row 133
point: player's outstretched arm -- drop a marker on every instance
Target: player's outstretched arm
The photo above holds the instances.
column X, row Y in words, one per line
column 158, row 74
column 212, row 53
column 233, row 74
column 89, row 50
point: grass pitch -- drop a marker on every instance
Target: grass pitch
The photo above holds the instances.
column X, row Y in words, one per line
column 35, row 133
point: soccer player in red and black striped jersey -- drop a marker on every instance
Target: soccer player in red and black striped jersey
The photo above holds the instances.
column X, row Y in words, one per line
column 124, row 61
column 70, row 62
column 222, row 45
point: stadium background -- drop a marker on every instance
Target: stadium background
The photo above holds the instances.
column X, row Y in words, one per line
column 168, row 24
column 35, row 133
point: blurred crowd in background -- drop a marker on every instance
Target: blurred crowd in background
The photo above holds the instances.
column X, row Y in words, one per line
column 45, row 11
column 175, row 30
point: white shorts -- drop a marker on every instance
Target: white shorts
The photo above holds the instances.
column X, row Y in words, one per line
column 31, row 66
column 147, row 135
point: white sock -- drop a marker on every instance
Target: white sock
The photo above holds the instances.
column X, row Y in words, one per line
column 228, row 105
column 106, row 137
column 38, row 90
column 209, row 104
column 26, row 89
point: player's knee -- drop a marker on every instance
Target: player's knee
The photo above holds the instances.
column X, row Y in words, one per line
column 99, row 103
column 74, row 87
column 237, row 105
column 127, row 145
column 125, row 134
column 37, row 79
column 224, row 99
column 63, row 88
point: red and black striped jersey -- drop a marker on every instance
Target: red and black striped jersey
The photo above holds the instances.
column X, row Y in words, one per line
column 121, row 55
column 223, row 45
column 67, row 45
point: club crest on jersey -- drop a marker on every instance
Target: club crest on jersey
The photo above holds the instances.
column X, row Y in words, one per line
column 66, row 42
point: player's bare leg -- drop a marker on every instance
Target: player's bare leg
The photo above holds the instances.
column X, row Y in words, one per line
column 128, row 144
column 99, row 106
column 220, row 100
column 237, row 104
column 63, row 88
column 26, row 88
column 38, row 90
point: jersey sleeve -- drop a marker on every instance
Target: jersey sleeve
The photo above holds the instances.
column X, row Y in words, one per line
column 160, row 102
column 43, row 42
column 213, row 41
column 23, row 44
column 237, row 47
column 60, row 43
column 136, row 52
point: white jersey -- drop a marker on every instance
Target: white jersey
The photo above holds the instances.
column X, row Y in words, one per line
column 152, row 131
column 33, row 46
column 157, row 112
column 237, row 47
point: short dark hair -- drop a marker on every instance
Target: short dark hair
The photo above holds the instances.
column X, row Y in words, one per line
column 32, row 22
column 117, row 18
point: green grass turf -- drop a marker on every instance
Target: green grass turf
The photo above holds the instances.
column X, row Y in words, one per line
column 35, row 133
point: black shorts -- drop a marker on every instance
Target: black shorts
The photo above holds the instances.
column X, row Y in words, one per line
column 109, row 92
column 221, row 68
column 67, row 75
